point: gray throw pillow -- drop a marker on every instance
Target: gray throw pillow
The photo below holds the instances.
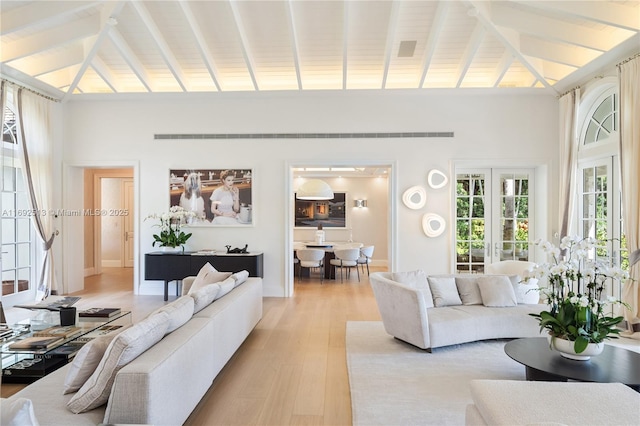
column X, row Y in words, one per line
column 444, row 290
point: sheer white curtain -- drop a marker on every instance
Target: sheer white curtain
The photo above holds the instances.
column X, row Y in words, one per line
column 629, row 76
column 36, row 149
column 568, row 159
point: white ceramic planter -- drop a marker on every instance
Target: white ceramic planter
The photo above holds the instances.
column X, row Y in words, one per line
column 565, row 347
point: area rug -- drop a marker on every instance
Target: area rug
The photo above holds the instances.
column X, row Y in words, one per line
column 393, row 383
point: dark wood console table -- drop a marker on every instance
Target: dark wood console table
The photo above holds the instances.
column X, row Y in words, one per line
column 166, row 266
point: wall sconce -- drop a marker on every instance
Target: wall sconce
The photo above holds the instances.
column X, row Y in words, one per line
column 360, row 203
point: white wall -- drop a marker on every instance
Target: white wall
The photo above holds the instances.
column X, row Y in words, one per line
column 519, row 129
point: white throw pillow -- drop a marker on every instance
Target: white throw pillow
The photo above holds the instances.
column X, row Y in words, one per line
column 225, row 287
column 203, row 297
column 206, row 268
column 86, row 361
column 210, row 277
column 240, row 277
column 497, row 291
column 528, row 292
column 180, row 311
column 126, row 347
column 468, row 290
column 444, row 290
column 18, row 412
column 418, row 280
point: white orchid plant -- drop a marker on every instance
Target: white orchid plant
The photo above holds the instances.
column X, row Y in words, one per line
column 575, row 292
column 171, row 234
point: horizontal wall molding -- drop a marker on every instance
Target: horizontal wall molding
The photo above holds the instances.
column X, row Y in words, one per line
column 371, row 135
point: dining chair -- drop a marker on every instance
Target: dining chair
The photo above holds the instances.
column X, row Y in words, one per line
column 346, row 258
column 366, row 253
column 311, row 258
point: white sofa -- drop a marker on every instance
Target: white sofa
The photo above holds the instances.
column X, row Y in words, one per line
column 164, row 384
column 435, row 311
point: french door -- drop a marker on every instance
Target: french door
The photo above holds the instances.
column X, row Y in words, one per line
column 493, row 216
column 600, row 214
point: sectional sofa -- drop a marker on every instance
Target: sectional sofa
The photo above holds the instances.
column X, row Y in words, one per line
column 157, row 370
column 442, row 310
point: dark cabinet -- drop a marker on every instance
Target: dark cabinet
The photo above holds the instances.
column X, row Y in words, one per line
column 168, row 267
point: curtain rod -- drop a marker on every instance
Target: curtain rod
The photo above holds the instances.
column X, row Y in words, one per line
column 35, row 92
column 628, row 59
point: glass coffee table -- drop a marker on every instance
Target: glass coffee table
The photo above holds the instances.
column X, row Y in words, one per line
column 28, row 365
column 613, row 365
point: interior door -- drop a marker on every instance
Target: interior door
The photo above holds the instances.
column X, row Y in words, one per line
column 127, row 205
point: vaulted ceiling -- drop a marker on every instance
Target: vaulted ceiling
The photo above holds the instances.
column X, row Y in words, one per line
column 69, row 48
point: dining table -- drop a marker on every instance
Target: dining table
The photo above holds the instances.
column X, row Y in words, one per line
column 328, row 247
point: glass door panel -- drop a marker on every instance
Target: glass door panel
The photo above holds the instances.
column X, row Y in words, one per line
column 471, row 219
column 512, row 225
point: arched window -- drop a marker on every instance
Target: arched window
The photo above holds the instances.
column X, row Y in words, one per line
column 599, row 192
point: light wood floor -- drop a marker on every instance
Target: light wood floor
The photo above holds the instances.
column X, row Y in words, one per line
column 292, row 368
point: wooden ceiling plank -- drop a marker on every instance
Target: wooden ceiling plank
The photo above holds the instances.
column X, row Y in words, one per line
column 472, row 48
column 201, row 44
column 47, row 62
column 609, row 13
column 41, row 12
column 244, row 44
column 437, row 27
column 161, row 43
column 131, row 59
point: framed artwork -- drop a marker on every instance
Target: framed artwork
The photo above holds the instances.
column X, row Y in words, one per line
column 219, row 197
column 330, row 213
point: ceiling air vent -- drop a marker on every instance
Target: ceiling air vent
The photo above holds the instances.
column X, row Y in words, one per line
column 407, row 48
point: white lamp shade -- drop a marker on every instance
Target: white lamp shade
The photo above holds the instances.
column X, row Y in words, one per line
column 314, row 189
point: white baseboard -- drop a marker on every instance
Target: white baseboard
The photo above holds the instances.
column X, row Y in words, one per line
column 89, row 271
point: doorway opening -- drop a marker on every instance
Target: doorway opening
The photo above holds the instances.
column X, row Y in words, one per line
column 367, row 213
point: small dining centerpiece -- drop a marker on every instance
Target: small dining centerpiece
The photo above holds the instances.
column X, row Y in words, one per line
column 577, row 320
column 171, row 236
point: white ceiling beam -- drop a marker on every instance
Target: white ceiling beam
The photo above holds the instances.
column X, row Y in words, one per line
column 472, row 48
column 201, row 44
column 131, row 59
column 554, row 29
column 49, row 39
column 345, row 43
column 41, row 12
column 105, row 74
column 503, row 36
column 573, row 56
column 502, row 68
column 391, row 31
column 108, row 19
column 294, row 42
column 244, row 43
column 163, row 46
column 29, row 82
column 46, row 62
column 437, row 26
column 605, row 12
